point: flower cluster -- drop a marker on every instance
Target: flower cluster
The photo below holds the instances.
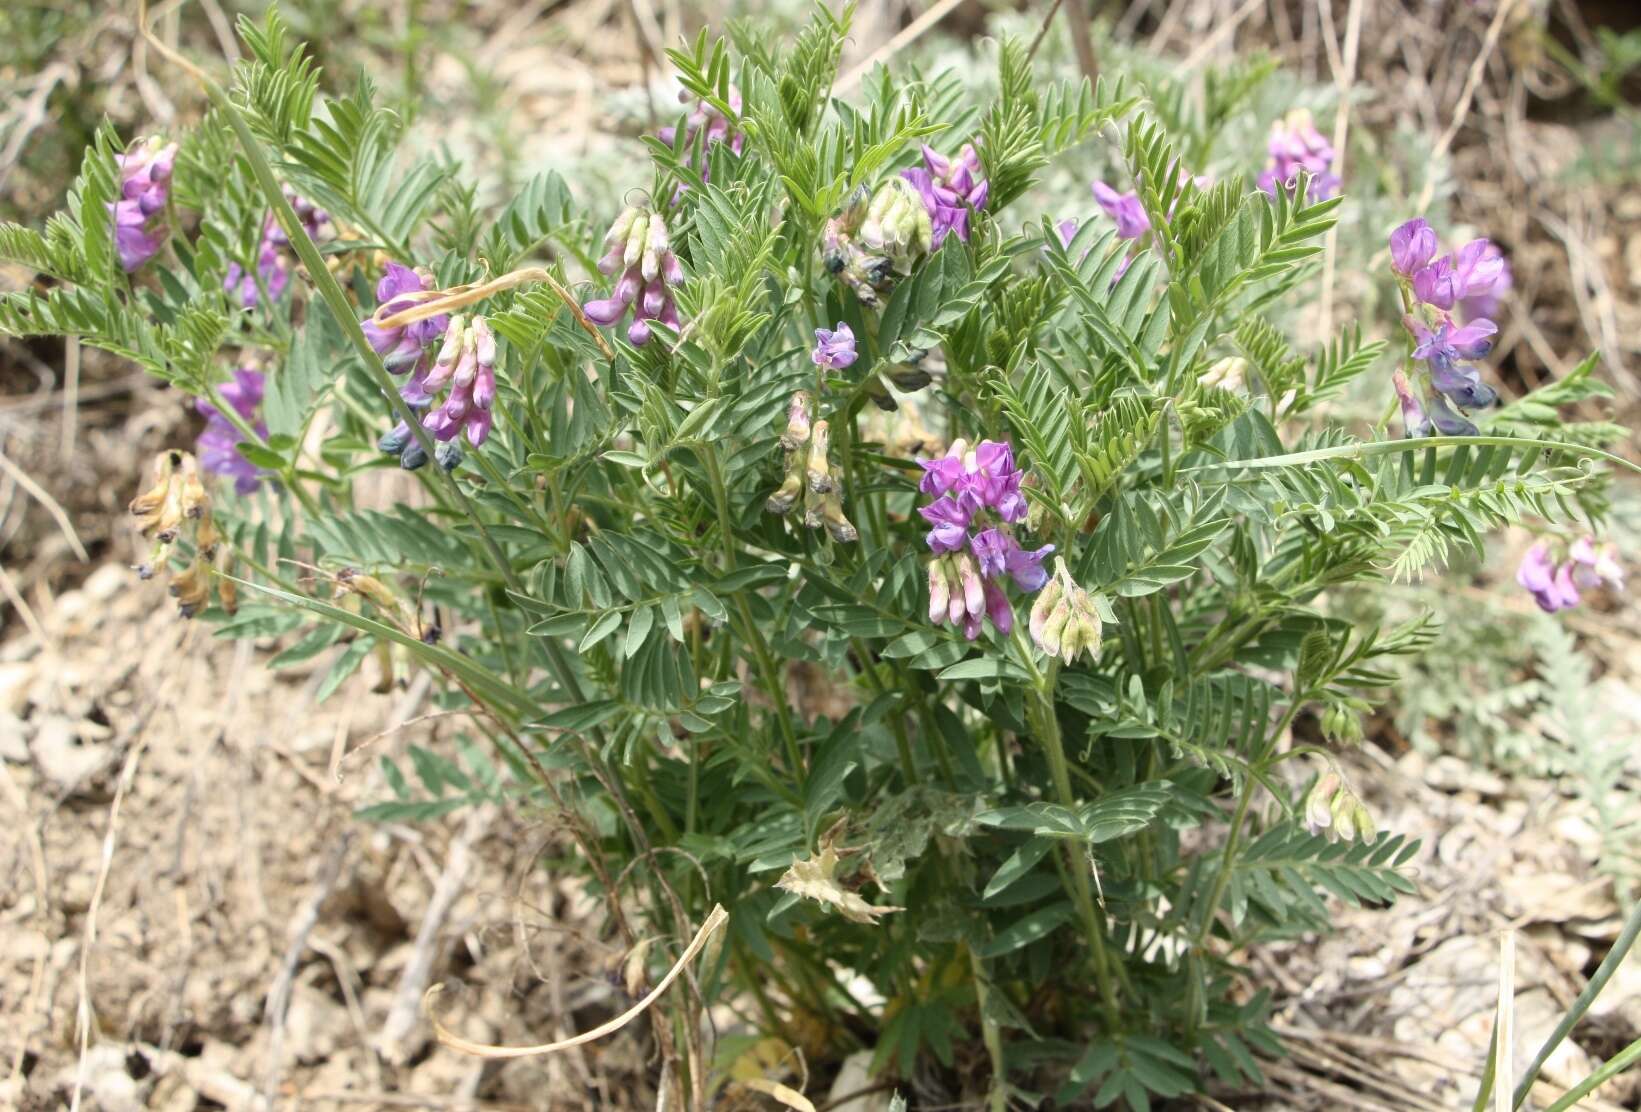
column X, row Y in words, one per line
column 808, row 474
column 1432, row 287
column 406, row 348
column 1556, row 584
column 218, row 444
column 1065, row 619
column 273, row 266
column 174, row 505
column 1331, row 807
column 145, row 185
column 638, row 245
column 877, row 237
column 712, row 125
column 466, row 364
column 950, row 188
column 975, row 500
column 1296, row 145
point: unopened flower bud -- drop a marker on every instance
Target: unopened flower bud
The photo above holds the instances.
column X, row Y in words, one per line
column 448, row 454
column 637, row 234
column 192, row 589
column 1365, row 828
column 395, row 440
column 1227, row 374
column 841, row 528
column 656, row 244
column 819, row 467
column 1319, row 802
column 797, row 422
column 1344, row 814
column 617, row 235
column 413, row 457
column 974, row 592
column 940, row 590
column 784, row 498
column 1047, row 599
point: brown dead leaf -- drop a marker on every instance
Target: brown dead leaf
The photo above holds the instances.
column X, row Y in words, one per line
column 815, row 879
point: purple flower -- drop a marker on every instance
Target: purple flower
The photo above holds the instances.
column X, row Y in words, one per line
column 1477, row 267
column 992, row 549
column 145, row 186
column 1026, row 567
column 1125, row 209
column 999, row 610
column 943, row 473
column 1412, row 246
column 1486, row 278
column 1296, row 145
column 950, row 518
column 1437, row 285
column 1443, row 348
column 1551, row 585
column 218, row 444
column 1447, row 422
column 1595, row 564
column 273, row 269
column 951, row 188
column 1067, row 231
column 272, row 265
column 401, row 347
column 834, row 349
column 977, row 489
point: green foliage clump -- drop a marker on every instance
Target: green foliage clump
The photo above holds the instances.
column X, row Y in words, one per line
column 957, row 849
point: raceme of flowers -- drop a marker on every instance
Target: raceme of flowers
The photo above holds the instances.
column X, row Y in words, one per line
column 880, row 236
column 1476, row 274
column 639, row 246
column 1556, row 579
column 1331, row 808
column 176, row 505
column 1296, row 145
column 218, row 443
column 808, row 473
column 975, row 501
column 273, row 265
column 1065, row 620
column 145, row 186
column 466, row 365
column 950, row 188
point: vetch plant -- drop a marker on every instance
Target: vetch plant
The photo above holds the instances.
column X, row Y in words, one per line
column 1014, row 858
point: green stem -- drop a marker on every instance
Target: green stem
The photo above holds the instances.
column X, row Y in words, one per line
column 1223, row 876
column 1604, row 973
column 1040, row 713
column 749, row 628
column 1614, row 1066
column 991, row 1035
